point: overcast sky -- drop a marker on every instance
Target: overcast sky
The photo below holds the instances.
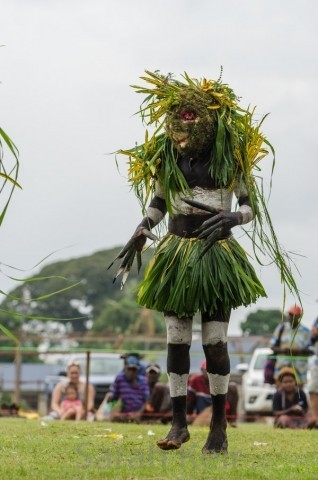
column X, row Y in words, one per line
column 65, row 100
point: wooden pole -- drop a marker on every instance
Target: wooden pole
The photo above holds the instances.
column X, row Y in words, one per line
column 17, row 361
column 88, row 357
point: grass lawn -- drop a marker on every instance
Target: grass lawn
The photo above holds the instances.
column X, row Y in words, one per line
column 35, row 449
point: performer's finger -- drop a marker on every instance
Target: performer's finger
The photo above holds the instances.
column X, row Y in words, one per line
column 126, row 248
column 138, row 261
column 149, row 235
column 201, row 206
column 128, row 259
column 124, row 279
column 122, row 252
column 129, row 263
column 207, row 231
column 214, row 237
column 119, row 272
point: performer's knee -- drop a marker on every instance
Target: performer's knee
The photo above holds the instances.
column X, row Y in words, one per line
column 179, row 330
column 214, row 333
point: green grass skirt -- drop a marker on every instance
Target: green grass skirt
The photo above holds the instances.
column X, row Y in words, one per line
column 176, row 280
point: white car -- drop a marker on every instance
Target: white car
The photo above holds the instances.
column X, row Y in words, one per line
column 256, row 395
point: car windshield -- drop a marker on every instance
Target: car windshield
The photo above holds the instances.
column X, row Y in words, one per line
column 102, row 366
column 260, row 362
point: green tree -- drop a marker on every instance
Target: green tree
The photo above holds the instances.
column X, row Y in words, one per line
column 93, row 292
column 261, row 322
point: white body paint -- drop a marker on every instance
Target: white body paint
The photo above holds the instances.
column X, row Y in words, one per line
column 214, row 332
column 154, row 214
column 178, row 384
column 179, row 331
column 220, row 198
column 216, row 198
column 218, row 383
column 247, row 213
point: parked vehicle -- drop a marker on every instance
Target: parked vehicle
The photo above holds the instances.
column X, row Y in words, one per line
column 103, row 369
column 256, row 395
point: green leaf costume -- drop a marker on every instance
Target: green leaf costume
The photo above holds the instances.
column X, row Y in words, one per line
column 204, row 147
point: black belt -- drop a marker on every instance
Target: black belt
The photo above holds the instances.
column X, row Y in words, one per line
column 186, row 225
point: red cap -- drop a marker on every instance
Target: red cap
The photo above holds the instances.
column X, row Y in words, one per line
column 295, row 310
column 203, row 365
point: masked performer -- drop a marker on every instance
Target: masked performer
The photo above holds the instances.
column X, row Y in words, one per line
column 203, row 151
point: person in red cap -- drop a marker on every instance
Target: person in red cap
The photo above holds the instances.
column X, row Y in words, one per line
column 199, row 399
column 292, row 339
column 295, row 311
column 313, row 381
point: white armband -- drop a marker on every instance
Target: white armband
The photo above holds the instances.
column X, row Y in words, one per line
column 247, row 213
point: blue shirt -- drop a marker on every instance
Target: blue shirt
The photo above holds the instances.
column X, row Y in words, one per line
column 132, row 395
column 280, row 402
column 292, row 338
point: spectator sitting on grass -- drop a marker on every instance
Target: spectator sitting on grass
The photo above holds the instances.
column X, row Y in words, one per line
column 71, row 407
column 59, row 392
column 199, row 399
column 290, row 403
column 158, row 407
column 131, row 390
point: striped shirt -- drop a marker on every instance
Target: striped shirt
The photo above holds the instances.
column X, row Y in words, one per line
column 132, row 395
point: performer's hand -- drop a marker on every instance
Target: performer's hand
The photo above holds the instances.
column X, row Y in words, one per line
column 214, row 228
column 128, row 253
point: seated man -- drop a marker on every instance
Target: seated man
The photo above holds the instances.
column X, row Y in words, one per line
column 139, row 356
column 131, row 391
column 199, row 399
column 158, row 408
column 289, row 402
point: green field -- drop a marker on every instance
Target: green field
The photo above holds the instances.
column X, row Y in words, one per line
column 36, row 449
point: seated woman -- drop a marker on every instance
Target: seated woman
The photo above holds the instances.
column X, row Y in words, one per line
column 290, row 404
column 59, row 393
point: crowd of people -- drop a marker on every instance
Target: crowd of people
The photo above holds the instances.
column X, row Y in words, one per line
column 139, row 395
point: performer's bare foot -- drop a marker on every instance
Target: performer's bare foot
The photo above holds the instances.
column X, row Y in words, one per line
column 216, row 442
column 175, row 438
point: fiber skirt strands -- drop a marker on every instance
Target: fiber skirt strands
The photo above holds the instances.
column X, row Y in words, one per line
column 176, row 280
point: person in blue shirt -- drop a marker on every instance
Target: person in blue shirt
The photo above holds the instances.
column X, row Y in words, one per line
column 293, row 338
column 313, row 380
